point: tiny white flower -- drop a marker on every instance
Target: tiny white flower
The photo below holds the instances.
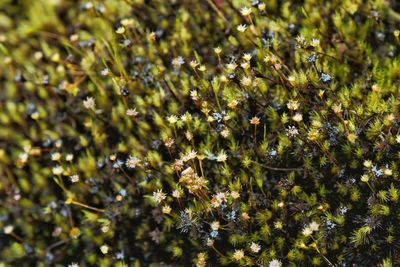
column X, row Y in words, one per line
column 159, row 196
column 238, row 254
column 132, row 112
column 275, row 263
column 313, row 226
column 245, row 11
column 315, row 42
column 245, row 65
column 8, row 229
column 105, row 72
column 297, row 117
column 367, row 163
column 55, row 156
column 247, row 56
column 104, row 249
column 177, row 62
column 172, row 119
column 235, row 194
column 246, row 81
column 202, row 68
column 364, row 178
column 120, row 30
column 176, row 193
column 58, row 170
column 225, row 133
column 190, row 155
column 388, row 172
column 89, row 103
column 215, row 225
column 23, row 157
column 222, row 157
column 210, row 242
column 89, row 5
column 194, row 64
column 293, row 105
column 231, row 66
column 221, row 196
column 292, row 131
column 217, row 50
column 166, row 209
column 186, row 117
column 74, row 178
column 242, row 27
column 262, row 6
column 255, row 247
column 69, row 157
column 132, row 162
column 189, row 135
column 300, row 39
column 307, row 231
column 127, row 22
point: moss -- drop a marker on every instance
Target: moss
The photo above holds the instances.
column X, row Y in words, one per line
column 206, row 133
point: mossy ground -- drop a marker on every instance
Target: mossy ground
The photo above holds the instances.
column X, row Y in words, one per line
column 199, row 133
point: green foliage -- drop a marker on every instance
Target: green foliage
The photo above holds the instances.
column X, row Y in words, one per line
column 199, row 133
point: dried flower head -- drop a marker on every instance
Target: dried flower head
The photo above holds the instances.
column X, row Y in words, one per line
column 255, row 121
column 166, row 209
column 159, row 196
column 293, row 105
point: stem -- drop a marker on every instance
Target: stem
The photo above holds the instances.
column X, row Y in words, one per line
column 255, row 134
column 201, row 168
column 59, row 243
column 86, row 206
column 215, row 8
column 370, row 187
column 217, row 251
column 17, row 237
column 322, row 255
column 277, row 168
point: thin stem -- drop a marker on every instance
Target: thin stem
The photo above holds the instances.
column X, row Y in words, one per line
column 277, row 168
column 217, row 251
column 255, row 134
column 86, row 206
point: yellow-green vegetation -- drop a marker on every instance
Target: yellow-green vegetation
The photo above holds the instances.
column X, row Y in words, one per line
column 199, row 133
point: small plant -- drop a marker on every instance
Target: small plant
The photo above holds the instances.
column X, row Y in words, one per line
column 199, row 133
